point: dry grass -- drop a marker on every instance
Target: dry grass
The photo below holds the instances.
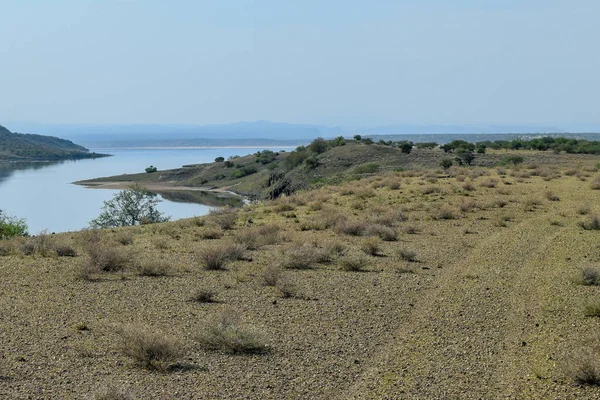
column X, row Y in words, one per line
column 203, row 295
column 590, row 275
column 226, row 334
column 303, row 257
column 113, row 393
column 150, row 350
column 353, row 263
column 371, row 246
column 583, row 365
column 592, row 223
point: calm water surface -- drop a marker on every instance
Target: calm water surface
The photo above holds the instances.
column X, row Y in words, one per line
column 43, row 194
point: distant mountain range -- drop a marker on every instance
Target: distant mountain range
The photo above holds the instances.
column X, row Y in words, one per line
column 259, row 133
column 21, row 147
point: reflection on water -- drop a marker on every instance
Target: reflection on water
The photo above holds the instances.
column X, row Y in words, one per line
column 213, row 199
column 7, row 169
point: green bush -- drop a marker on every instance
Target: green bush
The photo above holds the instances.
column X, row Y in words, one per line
column 11, row 226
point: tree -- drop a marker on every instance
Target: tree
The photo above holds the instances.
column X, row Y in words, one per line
column 357, row 137
column 151, row 169
column 11, row 226
column 132, row 206
column 219, row 159
column 446, row 163
column 319, row 145
column 405, row 146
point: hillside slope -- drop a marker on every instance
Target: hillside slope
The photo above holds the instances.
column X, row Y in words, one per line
column 267, row 175
column 457, row 284
column 28, row 147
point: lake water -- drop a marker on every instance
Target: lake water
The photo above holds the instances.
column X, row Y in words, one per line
column 44, row 195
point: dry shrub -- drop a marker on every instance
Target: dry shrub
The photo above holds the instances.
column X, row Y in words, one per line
column 390, row 218
column 353, row 263
column 592, row 308
column 43, row 244
column 161, row 242
column 431, row 190
column 352, row 228
column 64, row 250
column 151, row 350
column 468, row 186
column 203, row 295
column 211, row 231
column 595, row 185
column 552, row 196
column 592, row 223
column 500, row 203
column 371, row 246
column 227, row 335
column 313, row 223
column 583, row 209
column 257, row 237
column 489, row 183
column 271, row 275
column 466, row 205
column 27, row 247
column 152, row 267
column 103, row 257
column 224, row 218
column 383, row 232
column 364, row 193
column 7, row 247
column 444, row 213
column 334, row 247
column 411, row 230
column 407, row 255
column 214, row 256
column 583, row 364
column 590, row 275
column 125, row 238
column 304, row 257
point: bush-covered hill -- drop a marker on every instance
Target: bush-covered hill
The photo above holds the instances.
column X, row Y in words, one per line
column 268, row 175
column 25, row 147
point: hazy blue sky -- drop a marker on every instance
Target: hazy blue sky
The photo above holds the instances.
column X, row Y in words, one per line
column 337, row 62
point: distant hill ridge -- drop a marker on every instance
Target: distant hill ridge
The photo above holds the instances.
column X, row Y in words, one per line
column 30, row 147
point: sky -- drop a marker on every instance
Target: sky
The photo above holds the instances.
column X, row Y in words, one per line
column 331, row 62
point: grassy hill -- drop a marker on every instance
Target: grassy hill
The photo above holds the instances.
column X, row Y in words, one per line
column 27, row 147
column 267, row 175
column 465, row 283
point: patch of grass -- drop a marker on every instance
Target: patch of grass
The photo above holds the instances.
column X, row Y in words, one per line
column 226, row 334
column 150, row 350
